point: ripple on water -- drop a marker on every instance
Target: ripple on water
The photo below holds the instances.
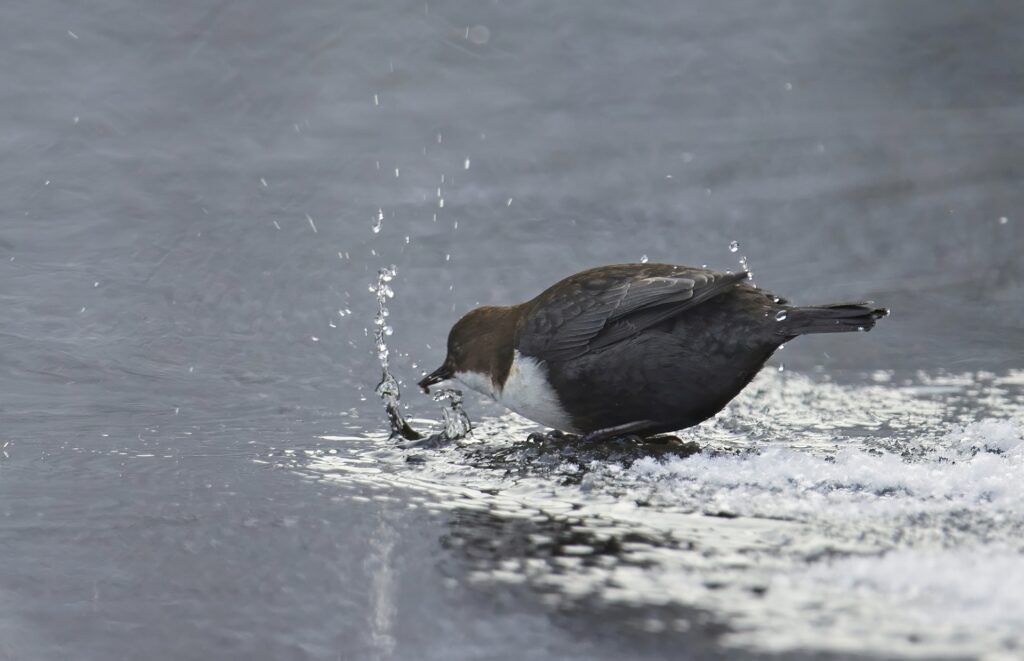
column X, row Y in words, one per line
column 883, row 516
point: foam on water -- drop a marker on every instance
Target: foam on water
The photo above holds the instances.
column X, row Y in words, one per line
column 884, row 516
column 980, row 465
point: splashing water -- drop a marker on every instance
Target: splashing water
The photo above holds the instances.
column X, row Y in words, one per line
column 745, row 267
column 456, row 422
column 734, row 247
column 388, row 389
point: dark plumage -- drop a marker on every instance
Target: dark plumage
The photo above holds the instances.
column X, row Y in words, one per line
column 633, row 348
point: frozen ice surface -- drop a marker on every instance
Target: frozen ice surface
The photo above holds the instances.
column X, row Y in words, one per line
column 884, row 517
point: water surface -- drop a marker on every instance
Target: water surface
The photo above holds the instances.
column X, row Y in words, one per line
column 194, row 460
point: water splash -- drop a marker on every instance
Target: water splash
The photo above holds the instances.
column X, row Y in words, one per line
column 734, row 247
column 388, row 389
column 456, row 422
column 745, row 267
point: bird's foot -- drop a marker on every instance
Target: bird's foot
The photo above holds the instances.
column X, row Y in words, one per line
column 619, row 431
column 656, row 445
column 668, row 444
column 552, row 436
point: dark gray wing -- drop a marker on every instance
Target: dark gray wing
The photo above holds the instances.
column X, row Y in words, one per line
column 600, row 307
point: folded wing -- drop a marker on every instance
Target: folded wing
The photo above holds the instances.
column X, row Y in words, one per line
column 598, row 308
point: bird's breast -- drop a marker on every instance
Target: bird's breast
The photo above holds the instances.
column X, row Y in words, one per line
column 528, row 392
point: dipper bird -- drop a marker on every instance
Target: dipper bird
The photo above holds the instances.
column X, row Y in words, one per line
column 631, row 349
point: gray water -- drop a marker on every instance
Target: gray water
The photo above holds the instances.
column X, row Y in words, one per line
column 194, row 464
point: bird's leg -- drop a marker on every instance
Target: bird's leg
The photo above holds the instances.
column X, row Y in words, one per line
column 637, row 427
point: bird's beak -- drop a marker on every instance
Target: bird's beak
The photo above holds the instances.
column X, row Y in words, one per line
column 442, row 373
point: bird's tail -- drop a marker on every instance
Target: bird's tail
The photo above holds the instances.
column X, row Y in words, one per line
column 835, row 318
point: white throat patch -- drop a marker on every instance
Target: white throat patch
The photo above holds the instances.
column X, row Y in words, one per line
column 479, row 382
column 527, row 392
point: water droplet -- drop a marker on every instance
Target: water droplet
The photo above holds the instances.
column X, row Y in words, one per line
column 440, row 203
column 314, row 338
column 782, row 367
column 465, row 166
column 643, row 259
column 378, row 220
column 447, row 258
column 396, row 173
column 263, row 182
column 376, row 100
column 509, row 202
column 1003, row 220
column 478, row 34
column 734, row 246
column 311, row 223
column 780, row 315
column 789, row 87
